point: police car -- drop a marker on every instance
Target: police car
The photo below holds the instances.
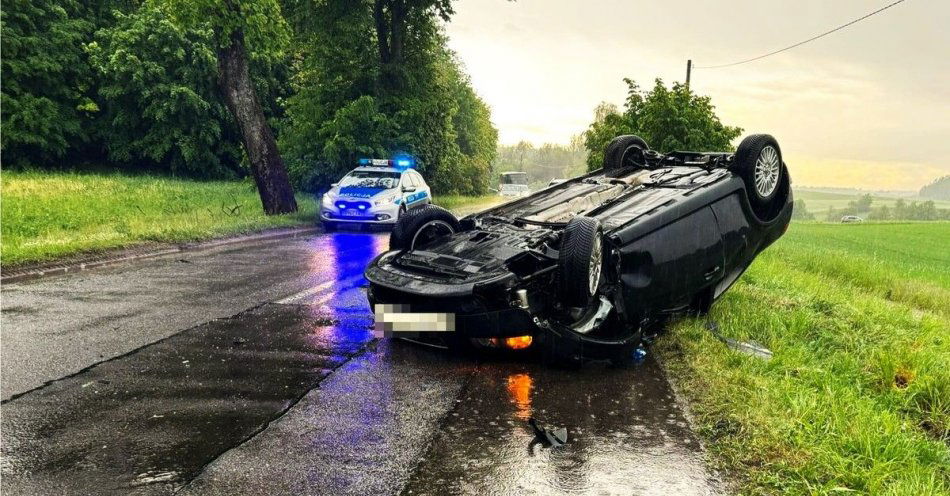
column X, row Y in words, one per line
column 377, row 193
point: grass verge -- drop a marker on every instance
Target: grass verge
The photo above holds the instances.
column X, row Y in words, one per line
column 46, row 215
column 857, row 396
column 49, row 215
column 466, row 204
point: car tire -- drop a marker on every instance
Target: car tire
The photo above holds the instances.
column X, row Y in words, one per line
column 617, row 150
column 758, row 161
column 329, row 226
column 580, row 261
column 420, row 225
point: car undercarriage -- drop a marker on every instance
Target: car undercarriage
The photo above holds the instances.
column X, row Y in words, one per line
column 586, row 265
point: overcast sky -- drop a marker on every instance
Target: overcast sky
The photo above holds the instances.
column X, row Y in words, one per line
column 866, row 107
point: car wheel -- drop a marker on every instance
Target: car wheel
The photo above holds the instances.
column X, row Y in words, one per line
column 421, row 226
column 758, row 161
column 580, row 261
column 329, row 226
column 618, row 150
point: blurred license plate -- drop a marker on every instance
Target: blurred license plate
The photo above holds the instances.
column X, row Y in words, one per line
column 397, row 318
column 351, row 213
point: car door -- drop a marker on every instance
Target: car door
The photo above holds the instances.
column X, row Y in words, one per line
column 405, row 187
column 410, row 190
column 422, row 190
column 736, row 235
column 665, row 269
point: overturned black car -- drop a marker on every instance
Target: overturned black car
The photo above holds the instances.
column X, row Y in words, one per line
column 585, row 267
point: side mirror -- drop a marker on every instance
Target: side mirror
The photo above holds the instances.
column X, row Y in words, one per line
column 408, row 189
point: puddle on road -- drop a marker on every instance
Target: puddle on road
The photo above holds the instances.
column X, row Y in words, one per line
column 627, row 436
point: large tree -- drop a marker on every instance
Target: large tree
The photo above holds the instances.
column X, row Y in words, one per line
column 241, row 27
column 666, row 118
column 343, row 111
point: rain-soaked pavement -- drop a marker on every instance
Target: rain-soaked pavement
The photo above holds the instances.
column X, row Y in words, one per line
column 252, row 370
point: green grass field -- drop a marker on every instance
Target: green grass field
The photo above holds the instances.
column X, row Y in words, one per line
column 857, row 396
column 48, row 215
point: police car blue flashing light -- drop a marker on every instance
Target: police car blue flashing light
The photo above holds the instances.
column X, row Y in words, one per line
column 399, row 162
column 378, row 191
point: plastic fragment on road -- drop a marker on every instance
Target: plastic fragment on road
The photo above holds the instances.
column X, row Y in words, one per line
column 549, row 437
column 752, row 348
column 639, row 354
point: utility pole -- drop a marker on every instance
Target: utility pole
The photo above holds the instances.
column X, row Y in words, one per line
column 689, row 71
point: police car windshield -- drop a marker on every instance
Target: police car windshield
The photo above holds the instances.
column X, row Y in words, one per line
column 370, row 179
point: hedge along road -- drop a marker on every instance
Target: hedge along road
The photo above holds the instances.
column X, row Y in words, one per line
column 252, row 369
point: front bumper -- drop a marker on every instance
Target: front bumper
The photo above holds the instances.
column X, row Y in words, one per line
column 372, row 214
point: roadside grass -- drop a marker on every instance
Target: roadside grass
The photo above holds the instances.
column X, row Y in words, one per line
column 44, row 216
column 48, row 215
column 857, row 395
column 466, row 204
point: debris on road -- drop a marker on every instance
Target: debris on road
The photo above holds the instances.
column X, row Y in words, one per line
column 752, row 348
column 550, row 437
column 639, row 354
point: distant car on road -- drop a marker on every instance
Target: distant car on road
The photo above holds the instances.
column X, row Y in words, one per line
column 849, row 219
column 513, row 184
column 585, row 268
column 378, row 192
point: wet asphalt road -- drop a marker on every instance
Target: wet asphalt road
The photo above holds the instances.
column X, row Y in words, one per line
column 252, row 370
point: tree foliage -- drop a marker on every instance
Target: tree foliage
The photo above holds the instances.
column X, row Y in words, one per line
column 544, row 163
column 45, row 96
column 135, row 84
column 939, row 189
column 260, row 21
column 341, row 111
column 668, row 119
column 162, row 105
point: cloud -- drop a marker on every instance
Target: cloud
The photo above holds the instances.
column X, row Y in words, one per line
column 866, row 107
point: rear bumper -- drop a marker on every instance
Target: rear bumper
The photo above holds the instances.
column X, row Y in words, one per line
column 474, row 316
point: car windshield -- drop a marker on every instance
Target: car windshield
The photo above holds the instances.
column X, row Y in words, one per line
column 370, row 179
column 514, row 178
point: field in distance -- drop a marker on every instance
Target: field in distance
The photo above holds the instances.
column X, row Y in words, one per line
column 819, row 201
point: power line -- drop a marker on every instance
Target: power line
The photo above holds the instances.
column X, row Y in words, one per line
column 822, row 35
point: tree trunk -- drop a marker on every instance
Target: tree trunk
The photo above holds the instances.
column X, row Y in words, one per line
column 273, row 184
column 390, row 19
